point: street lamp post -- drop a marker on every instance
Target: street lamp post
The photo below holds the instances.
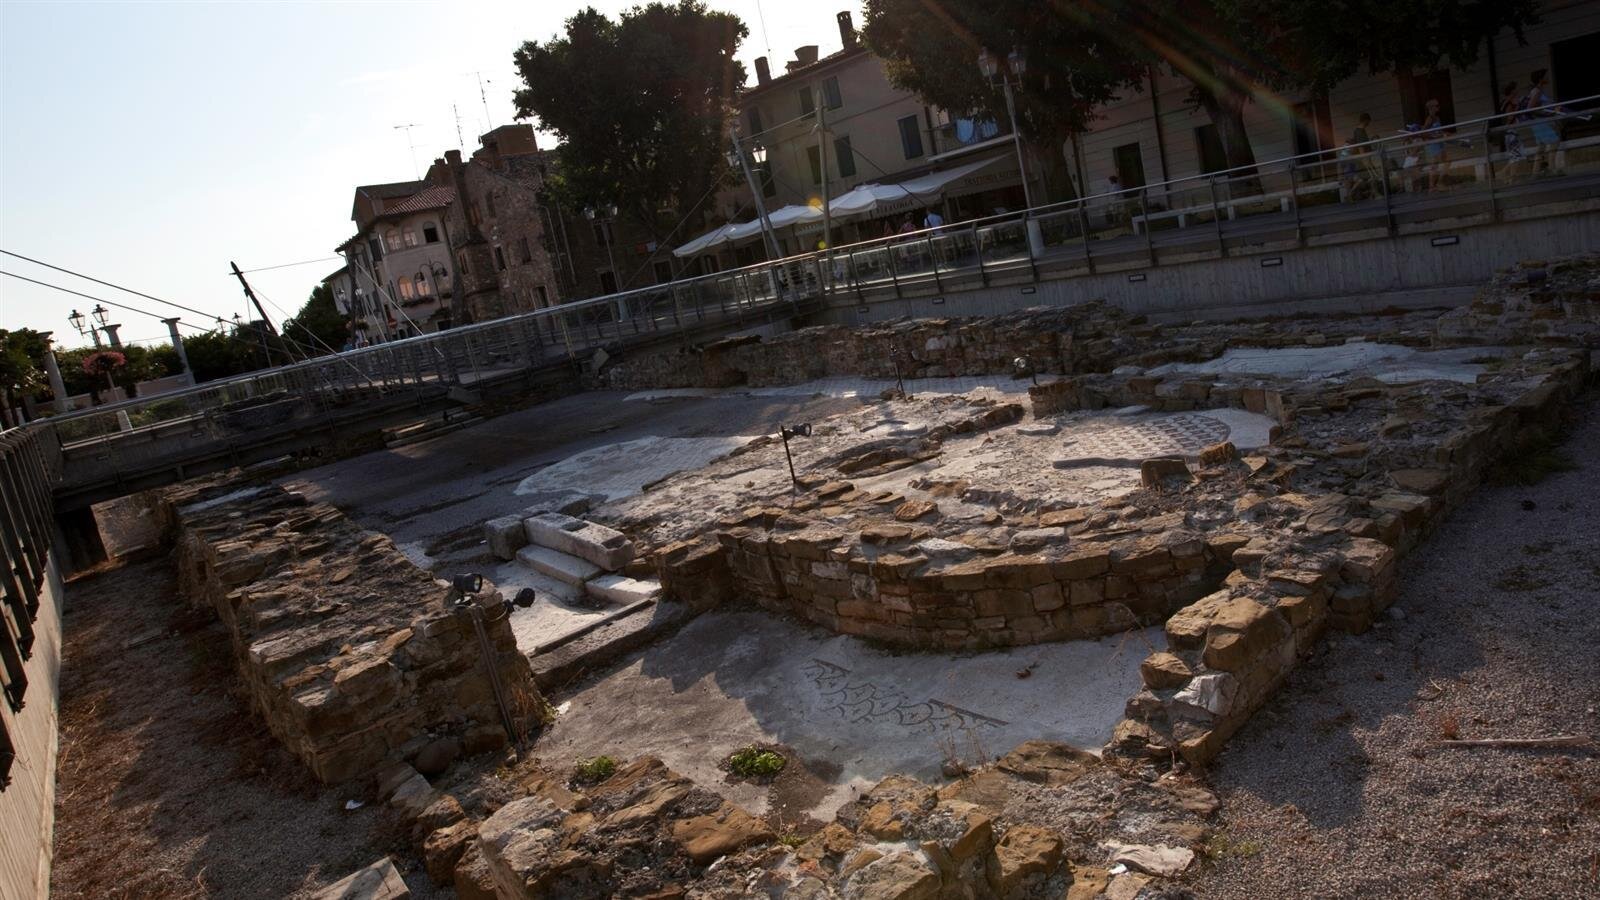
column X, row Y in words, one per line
column 759, row 154
column 610, row 215
column 1016, row 65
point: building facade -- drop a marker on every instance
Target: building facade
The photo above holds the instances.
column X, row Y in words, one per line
column 878, row 133
column 398, row 266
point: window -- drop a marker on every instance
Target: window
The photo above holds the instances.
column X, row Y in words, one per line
column 1130, row 165
column 814, row 156
column 1212, row 157
column 407, row 290
column 391, row 239
column 608, row 281
column 499, row 259
column 1416, row 89
column 910, row 137
column 1574, row 74
column 830, row 93
column 409, row 237
column 461, row 262
column 543, row 295
column 753, row 117
column 430, row 233
column 769, row 185
column 376, row 247
column 663, row 271
column 527, row 251
column 808, row 102
column 489, row 199
column 844, row 160
column 423, row 288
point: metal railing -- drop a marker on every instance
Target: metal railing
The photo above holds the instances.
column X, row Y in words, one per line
column 30, row 463
column 1464, row 170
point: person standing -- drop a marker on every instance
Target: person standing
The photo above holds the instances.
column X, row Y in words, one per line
column 1435, row 151
column 1546, row 134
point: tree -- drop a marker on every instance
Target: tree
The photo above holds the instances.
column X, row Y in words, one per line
column 933, row 51
column 218, row 354
column 318, row 327
column 640, row 106
column 1232, row 52
column 21, row 355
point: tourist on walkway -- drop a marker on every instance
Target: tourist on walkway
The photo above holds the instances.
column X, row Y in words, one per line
column 1436, row 151
column 1546, row 134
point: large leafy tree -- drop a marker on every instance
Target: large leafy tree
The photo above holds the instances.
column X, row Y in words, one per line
column 21, row 369
column 1232, row 52
column 932, row 49
column 639, row 104
column 318, row 327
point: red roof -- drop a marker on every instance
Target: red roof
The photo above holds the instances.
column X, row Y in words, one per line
column 422, row 201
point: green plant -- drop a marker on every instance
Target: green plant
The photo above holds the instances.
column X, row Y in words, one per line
column 595, row 769
column 1222, row 846
column 791, row 840
column 754, row 762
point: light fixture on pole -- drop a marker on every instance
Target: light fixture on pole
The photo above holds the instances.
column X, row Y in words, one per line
column 610, row 215
column 1016, row 65
column 759, row 154
column 99, row 313
column 76, row 320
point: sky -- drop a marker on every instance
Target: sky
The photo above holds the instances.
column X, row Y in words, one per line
column 150, row 144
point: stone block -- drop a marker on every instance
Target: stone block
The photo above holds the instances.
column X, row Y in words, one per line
column 1240, row 631
column 506, row 535
column 561, row 566
column 1080, row 565
column 1162, row 670
column 1161, row 472
column 708, row 837
column 605, row 547
column 622, row 590
column 379, row 881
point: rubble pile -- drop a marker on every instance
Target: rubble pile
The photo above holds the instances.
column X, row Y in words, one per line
column 345, row 648
column 1045, row 820
column 1533, row 302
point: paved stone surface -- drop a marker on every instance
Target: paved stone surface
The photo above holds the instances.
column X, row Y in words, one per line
column 1385, row 362
column 735, row 678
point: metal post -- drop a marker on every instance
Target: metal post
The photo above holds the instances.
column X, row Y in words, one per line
column 1016, row 139
column 1488, row 170
column 1144, row 210
column 933, row 258
column 1083, row 229
column 983, row 276
column 1294, row 201
column 1383, row 176
column 1216, row 217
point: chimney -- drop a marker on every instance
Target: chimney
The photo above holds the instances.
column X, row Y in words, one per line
column 763, row 71
column 805, row 56
column 847, row 30
column 458, row 174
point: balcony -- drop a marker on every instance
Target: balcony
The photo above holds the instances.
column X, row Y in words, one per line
column 965, row 134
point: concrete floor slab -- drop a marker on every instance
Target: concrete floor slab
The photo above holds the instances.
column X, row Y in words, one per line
column 732, row 678
column 851, row 387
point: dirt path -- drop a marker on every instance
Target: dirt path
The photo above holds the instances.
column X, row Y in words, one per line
column 1339, row 787
column 166, row 786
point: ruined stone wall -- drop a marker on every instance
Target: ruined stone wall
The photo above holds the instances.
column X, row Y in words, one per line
column 1334, row 564
column 344, row 647
column 1535, row 301
column 1090, row 337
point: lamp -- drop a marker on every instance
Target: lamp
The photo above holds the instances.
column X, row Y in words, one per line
column 76, row 319
column 758, row 152
column 99, row 313
column 1018, row 61
column 588, row 213
column 611, row 211
column 986, row 63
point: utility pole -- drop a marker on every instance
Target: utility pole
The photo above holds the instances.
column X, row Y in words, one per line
column 266, row 323
column 822, row 155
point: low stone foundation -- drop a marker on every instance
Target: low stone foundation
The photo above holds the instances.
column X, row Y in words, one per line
column 344, row 647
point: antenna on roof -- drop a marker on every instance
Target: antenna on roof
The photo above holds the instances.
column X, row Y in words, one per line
column 407, row 128
column 461, row 143
column 487, row 119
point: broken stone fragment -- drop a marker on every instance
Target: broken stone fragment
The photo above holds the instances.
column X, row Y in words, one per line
column 1219, row 454
column 1162, row 670
column 1156, row 860
column 379, row 881
column 1159, row 472
column 443, row 849
column 1026, row 851
column 708, row 837
column 1240, row 631
column 506, row 535
column 898, row 875
column 1047, row 762
column 912, row 510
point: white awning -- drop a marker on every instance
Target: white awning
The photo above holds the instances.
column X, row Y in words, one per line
column 870, row 199
column 780, row 218
column 704, row 242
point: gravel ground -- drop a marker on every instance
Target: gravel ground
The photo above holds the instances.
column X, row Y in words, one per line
column 167, row 786
column 1339, row 787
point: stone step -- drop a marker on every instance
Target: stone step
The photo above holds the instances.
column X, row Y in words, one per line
column 605, row 547
column 426, row 431
column 622, row 589
column 561, row 665
column 560, row 566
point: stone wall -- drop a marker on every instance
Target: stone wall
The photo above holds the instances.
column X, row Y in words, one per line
column 1535, row 301
column 1334, row 564
column 1090, row 337
column 344, row 647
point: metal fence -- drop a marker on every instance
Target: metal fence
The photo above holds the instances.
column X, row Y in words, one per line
column 30, row 463
column 1470, row 171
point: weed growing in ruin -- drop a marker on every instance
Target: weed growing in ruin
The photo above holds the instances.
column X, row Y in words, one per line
column 1449, row 727
column 791, row 840
column 1223, row 846
column 753, row 762
column 594, row 770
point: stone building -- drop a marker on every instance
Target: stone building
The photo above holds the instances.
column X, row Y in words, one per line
column 398, row 260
